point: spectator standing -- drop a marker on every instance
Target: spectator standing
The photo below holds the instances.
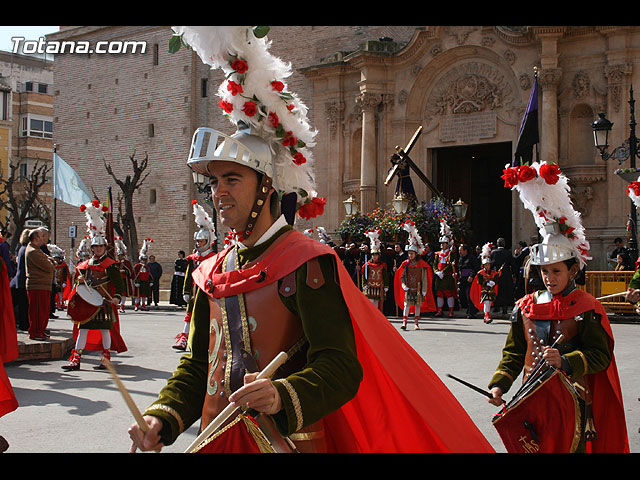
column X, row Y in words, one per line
column 502, row 261
column 468, row 266
column 5, row 253
column 156, row 273
column 177, row 282
column 39, row 280
column 19, row 286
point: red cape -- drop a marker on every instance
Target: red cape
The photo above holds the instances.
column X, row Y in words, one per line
column 401, row 405
column 8, row 342
column 608, row 408
column 66, row 293
column 429, row 303
column 94, row 337
column 475, row 292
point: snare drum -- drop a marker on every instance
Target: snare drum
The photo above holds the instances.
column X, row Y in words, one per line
column 545, row 420
column 84, row 304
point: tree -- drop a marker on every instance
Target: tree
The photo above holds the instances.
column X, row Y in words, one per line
column 126, row 219
column 21, row 198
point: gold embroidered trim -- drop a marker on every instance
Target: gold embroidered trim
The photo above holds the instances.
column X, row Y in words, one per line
column 170, row 411
column 297, row 408
column 584, row 360
column 217, row 434
column 306, row 436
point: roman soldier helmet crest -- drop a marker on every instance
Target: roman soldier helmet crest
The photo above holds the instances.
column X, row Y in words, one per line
column 374, row 238
column 415, row 240
column 273, row 135
column 207, row 229
column 121, row 248
column 445, row 232
column 485, row 254
column 144, row 250
column 544, row 190
column 94, row 211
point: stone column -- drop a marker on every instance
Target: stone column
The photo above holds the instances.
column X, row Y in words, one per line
column 368, row 102
column 548, row 79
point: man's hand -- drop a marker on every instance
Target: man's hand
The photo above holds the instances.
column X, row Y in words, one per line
column 146, row 441
column 633, row 295
column 260, row 395
column 496, row 399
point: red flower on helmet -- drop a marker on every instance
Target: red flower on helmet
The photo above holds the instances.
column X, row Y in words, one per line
column 249, row 108
column 226, row 106
column 510, row 177
column 550, row 173
column 274, row 120
column 313, row 208
column 277, row 86
column 299, row 159
column 95, row 203
column 289, row 139
column 239, row 66
column 83, row 208
column 234, row 87
column 526, row 173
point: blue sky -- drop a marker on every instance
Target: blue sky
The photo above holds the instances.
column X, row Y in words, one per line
column 28, row 32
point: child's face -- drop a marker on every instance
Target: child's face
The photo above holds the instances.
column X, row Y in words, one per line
column 556, row 277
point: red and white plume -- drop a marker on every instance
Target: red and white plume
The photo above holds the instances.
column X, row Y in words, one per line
column 633, row 192
column 374, row 238
column 414, row 237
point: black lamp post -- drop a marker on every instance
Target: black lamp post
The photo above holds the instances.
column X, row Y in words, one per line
column 628, row 150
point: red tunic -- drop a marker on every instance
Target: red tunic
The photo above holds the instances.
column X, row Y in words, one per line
column 8, row 343
column 429, row 303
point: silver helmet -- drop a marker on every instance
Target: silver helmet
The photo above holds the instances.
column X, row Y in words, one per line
column 555, row 247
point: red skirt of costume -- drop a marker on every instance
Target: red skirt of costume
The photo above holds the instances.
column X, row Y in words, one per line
column 475, row 293
column 429, row 303
column 94, row 337
column 401, row 404
column 8, row 343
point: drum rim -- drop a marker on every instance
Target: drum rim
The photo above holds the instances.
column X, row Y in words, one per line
column 90, row 289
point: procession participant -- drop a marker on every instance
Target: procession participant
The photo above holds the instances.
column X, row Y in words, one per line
column 126, row 272
column 468, row 266
column 633, row 293
column 413, row 280
column 485, row 288
column 374, row 273
column 277, row 290
column 61, row 276
column 98, row 329
column 503, row 261
column 444, row 265
column 177, row 281
column 562, row 329
column 142, row 278
column 8, row 348
column 204, row 239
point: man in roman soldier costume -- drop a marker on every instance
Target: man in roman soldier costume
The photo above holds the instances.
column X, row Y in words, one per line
column 484, row 288
column 126, row 271
column 375, row 277
column 276, row 290
column 96, row 324
column 61, row 276
column 413, row 280
column 560, row 338
column 444, row 266
column 204, row 240
column 142, row 278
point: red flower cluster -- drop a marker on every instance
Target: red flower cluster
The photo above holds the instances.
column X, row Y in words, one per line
column 635, row 186
column 234, row 87
column 299, row 159
column 250, row 108
column 289, row 140
column 313, row 208
column 277, row 86
column 274, row 120
column 83, row 208
column 239, row 66
column 226, row 106
column 514, row 175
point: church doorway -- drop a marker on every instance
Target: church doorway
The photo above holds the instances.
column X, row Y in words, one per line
column 472, row 173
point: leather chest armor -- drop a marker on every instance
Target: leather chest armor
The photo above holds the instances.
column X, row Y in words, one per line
column 413, row 277
column 256, row 325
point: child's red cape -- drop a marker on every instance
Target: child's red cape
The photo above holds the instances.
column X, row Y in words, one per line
column 429, row 303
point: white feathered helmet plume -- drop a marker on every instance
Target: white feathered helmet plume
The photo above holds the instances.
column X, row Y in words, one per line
column 207, row 227
column 121, row 248
column 84, row 249
column 415, row 240
column 486, row 253
column 95, row 223
column 544, row 190
column 633, row 192
column 273, row 135
column 323, row 235
column 146, row 243
column 445, row 232
column 55, row 250
column 374, row 238
column 308, row 232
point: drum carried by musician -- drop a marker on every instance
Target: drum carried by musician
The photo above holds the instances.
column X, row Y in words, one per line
column 570, row 399
column 94, row 302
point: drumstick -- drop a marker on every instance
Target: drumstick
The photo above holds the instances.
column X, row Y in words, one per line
column 127, row 398
column 612, row 295
column 231, row 409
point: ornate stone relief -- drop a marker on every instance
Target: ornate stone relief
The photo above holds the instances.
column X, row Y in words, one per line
column 582, row 178
column 334, row 114
column 615, row 76
column 581, row 84
column 461, row 33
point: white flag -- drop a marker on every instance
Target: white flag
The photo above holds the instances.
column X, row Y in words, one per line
column 67, row 185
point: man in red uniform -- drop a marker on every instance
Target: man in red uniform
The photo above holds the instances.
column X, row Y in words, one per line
column 375, row 277
column 142, row 278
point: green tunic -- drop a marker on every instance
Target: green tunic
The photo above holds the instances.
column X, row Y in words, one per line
column 330, row 378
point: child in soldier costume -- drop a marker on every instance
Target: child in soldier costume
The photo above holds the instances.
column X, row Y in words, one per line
column 204, row 240
column 126, row 270
column 485, row 288
column 142, row 278
column 375, row 277
column 560, row 338
column 444, row 266
column 101, row 330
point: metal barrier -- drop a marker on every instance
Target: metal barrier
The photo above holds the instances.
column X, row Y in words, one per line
column 602, row 283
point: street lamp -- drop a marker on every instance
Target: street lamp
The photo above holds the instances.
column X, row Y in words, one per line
column 628, row 150
column 460, row 209
column 351, row 206
column 400, row 203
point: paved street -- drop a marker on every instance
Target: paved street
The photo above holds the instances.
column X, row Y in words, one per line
column 82, row 411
